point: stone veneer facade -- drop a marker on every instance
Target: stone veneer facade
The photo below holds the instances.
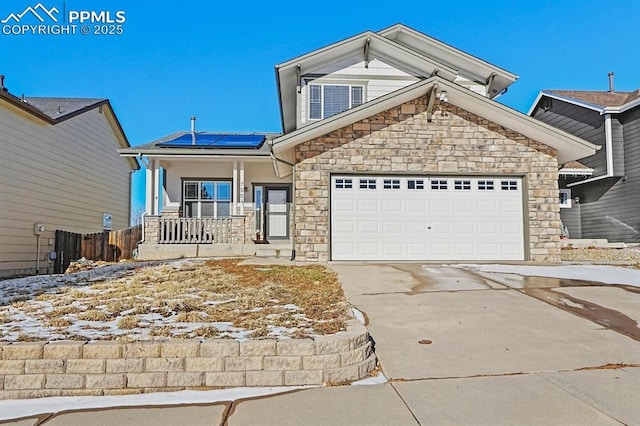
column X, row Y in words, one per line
column 402, row 141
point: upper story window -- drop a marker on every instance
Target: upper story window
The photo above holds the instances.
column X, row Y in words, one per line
column 326, row 100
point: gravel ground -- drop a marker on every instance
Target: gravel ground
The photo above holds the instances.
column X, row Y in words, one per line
column 630, row 256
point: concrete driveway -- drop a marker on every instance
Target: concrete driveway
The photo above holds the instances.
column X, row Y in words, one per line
column 460, row 347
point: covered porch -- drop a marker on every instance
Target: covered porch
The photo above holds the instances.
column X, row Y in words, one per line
column 206, row 200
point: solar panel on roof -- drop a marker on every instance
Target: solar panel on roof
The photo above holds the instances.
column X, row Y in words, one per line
column 212, row 140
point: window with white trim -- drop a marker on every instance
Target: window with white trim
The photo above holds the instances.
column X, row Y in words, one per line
column 391, row 184
column 565, row 198
column 509, row 185
column 206, row 198
column 485, row 185
column 462, row 185
column 344, row 183
column 326, row 100
column 367, row 184
column 438, row 184
column 415, row 184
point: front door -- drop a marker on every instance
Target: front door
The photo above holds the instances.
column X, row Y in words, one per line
column 277, row 213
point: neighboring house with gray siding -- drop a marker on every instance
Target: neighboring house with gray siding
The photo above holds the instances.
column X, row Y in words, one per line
column 600, row 194
column 59, row 169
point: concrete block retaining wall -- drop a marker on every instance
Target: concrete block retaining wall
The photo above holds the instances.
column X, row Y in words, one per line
column 67, row 368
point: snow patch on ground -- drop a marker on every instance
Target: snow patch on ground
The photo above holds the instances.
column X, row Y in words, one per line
column 14, row 409
column 359, row 315
column 599, row 273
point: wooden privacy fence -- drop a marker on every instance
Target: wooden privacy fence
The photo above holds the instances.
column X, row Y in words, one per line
column 109, row 246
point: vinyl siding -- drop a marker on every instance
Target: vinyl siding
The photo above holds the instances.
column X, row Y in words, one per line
column 581, row 122
column 64, row 176
column 610, row 207
column 571, row 219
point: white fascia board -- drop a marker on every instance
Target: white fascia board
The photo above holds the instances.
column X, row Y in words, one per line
column 569, row 147
column 634, row 103
column 573, row 101
column 338, row 50
column 535, row 104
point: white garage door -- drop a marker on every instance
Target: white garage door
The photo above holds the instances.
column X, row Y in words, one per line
column 426, row 218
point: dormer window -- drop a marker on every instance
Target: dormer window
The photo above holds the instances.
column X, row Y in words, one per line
column 326, row 100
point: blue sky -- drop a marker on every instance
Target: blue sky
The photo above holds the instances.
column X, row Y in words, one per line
column 215, row 59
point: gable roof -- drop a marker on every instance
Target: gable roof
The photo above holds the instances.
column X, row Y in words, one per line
column 468, row 65
column 61, row 109
column 418, row 54
column 603, row 102
column 569, row 147
column 54, row 111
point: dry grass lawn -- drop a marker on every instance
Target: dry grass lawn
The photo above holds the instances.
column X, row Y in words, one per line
column 187, row 299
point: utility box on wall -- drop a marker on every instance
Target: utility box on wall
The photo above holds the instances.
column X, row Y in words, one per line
column 38, row 229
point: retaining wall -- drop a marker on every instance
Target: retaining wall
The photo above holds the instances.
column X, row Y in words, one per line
column 67, row 368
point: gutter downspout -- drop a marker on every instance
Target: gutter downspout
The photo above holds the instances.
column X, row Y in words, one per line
column 608, row 146
column 293, row 219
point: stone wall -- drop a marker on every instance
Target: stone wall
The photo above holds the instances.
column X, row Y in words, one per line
column 32, row 370
column 402, row 140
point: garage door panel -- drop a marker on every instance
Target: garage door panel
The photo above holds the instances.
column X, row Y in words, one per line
column 420, row 218
column 368, row 206
column 415, row 227
column 344, row 206
column 438, row 250
column 392, row 249
column 463, row 227
column 487, row 206
column 463, row 249
column 439, row 206
column 344, row 227
column 391, row 206
column 440, row 228
column 488, row 249
column 487, row 228
column 416, row 206
column 463, row 206
column 510, row 206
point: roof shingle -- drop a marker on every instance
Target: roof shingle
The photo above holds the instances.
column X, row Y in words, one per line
column 599, row 98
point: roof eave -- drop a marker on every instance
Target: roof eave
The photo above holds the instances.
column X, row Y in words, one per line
column 450, row 49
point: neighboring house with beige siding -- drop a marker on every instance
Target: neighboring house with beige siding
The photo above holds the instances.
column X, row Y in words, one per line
column 59, row 168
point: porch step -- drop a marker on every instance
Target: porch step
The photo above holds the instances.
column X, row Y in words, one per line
column 277, row 250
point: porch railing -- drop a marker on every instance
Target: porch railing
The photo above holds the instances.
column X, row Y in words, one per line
column 194, row 231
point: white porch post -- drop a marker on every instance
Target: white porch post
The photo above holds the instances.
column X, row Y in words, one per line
column 234, row 190
column 151, row 197
column 156, row 188
column 241, row 189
